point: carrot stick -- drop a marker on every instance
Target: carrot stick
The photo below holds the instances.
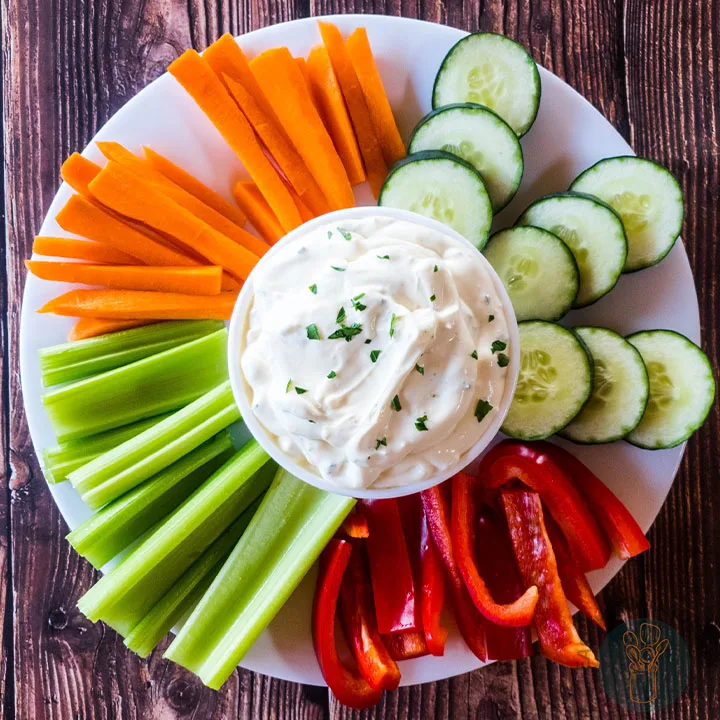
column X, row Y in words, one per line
column 375, row 165
column 305, row 212
column 141, row 305
column 193, row 281
column 284, row 88
column 329, row 100
column 78, row 172
column 86, row 328
column 303, row 68
column 208, row 92
column 250, row 199
column 81, row 250
column 383, row 120
column 129, row 195
column 138, row 166
column 82, row 217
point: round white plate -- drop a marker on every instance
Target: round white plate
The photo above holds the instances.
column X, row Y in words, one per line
column 568, row 136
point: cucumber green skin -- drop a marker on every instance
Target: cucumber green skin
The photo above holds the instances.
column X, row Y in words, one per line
column 470, row 106
column 640, row 415
column 589, row 365
column 536, row 77
column 661, row 257
column 700, row 423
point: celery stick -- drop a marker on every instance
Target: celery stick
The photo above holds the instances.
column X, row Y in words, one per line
column 188, row 590
column 106, row 533
column 124, row 467
column 127, row 593
column 293, row 524
column 83, row 358
column 157, row 384
column 59, row 461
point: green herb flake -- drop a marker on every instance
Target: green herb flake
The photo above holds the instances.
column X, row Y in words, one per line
column 375, row 354
column 329, row 234
column 395, row 404
column 331, row 375
column 474, row 355
column 382, row 441
column 497, row 346
column 288, row 387
column 300, row 390
column 368, row 341
column 313, row 289
column 383, row 257
column 420, row 424
column 432, row 298
column 340, row 316
column 393, row 320
column 346, row 332
column 339, row 269
column 435, row 269
column 345, row 233
column 420, row 369
column 357, row 305
column 312, row 332
column 482, row 408
column 491, row 318
column 503, row 360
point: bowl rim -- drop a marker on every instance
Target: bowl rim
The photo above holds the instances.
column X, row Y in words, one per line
column 241, row 389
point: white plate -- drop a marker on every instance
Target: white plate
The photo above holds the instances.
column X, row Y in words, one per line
column 568, row 136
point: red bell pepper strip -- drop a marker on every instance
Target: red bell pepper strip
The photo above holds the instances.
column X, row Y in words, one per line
column 626, row 536
column 350, row 688
column 496, row 562
column 536, row 562
column 574, row 583
column 355, row 525
column 390, row 569
column 406, row 645
column 536, row 469
column 469, row 621
column 357, row 619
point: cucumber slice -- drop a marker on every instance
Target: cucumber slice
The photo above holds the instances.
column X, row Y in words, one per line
column 620, row 389
column 682, row 389
column 491, row 70
column 444, row 187
column 594, row 233
column 554, row 383
column 479, row 136
column 537, row 269
column 648, row 199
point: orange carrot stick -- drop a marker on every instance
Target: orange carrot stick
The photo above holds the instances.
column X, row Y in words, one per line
column 86, row 328
column 250, row 199
column 136, row 165
column 305, row 212
column 303, row 68
column 208, row 92
column 284, row 87
column 375, row 165
column 81, row 250
column 193, row 281
column 141, row 305
column 78, row 172
column 131, row 196
column 383, row 120
column 329, row 99
column 82, row 217
column 192, row 185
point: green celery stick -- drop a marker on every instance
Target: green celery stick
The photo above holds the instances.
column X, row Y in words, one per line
column 59, row 461
column 80, row 359
column 187, row 591
column 157, row 384
column 126, row 594
column 106, row 533
column 293, row 524
column 117, row 471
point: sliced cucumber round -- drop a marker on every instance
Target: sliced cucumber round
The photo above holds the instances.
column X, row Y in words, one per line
column 555, row 381
column 620, row 389
column 682, row 389
column 537, row 269
column 648, row 199
column 494, row 71
column 479, row 136
column 594, row 233
column 444, row 187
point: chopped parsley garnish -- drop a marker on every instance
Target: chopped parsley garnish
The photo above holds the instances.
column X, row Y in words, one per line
column 368, row 341
column 435, row 269
column 340, row 316
column 383, row 257
column 375, row 354
column 331, row 375
column 491, row 318
column 432, row 298
column 313, row 289
column 382, row 441
column 474, row 355
column 339, row 269
column 329, row 234
column 395, row 404
column 312, row 332
column 497, row 346
column 346, row 332
column 482, row 408
column 420, row 369
column 503, row 360
column 393, row 319
column 357, row 304
column 345, row 234
column 420, row 423
column 288, row 387
column 300, row 390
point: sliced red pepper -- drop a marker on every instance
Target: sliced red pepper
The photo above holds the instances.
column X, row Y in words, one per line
column 536, row 562
column 357, row 619
column 469, row 621
column 463, row 525
column 390, row 569
column 350, row 688
column 626, row 536
column 406, row 645
column 355, row 525
column 574, row 583
column 496, row 562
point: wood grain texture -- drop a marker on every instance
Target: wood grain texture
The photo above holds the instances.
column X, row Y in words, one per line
column 652, row 68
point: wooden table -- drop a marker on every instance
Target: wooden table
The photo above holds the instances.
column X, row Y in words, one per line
column 651, row 66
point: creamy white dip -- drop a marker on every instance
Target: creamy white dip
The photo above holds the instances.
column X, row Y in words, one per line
column 374, row 353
